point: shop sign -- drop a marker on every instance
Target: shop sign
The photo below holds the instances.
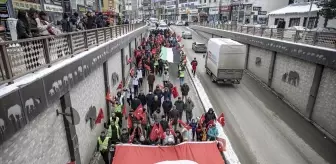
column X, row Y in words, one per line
column 25, row 5
column 193, row 11
column 262, row 12
column 81, row 9
column 225, row 8
column 170, row 7
column 213, row 11
column 3, row 12
column 55, row 2
column 53, row 8
column 256, row 8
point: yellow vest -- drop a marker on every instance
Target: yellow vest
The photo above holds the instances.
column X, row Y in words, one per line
column 181, row 73
column 103, row 145
column 117, row 108
column 109, row 132
column 116, row 121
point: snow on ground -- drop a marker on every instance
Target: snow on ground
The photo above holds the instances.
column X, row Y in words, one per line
column 230, row 155
column 31, row 77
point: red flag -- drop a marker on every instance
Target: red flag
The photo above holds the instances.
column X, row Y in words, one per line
column 178, row 38
column 100, row 116
column 154, row 51
column 221, row 119
column 129, row 61
column 147, row 67
column 222, row 144
column 124, row 110
column 154, row 133
column 202, row 119
column 161, row 132
column 210, row 123
column 175, row 92
column 132, row 72
column 108, row 96
column 171, row 128
column 129, row 122
column 184, row 125
column 138, row 113
column 120, row 86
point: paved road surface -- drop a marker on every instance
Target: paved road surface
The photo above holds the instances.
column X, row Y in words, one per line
column 261, row 128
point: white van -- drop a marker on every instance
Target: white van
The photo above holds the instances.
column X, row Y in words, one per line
column 225, row 60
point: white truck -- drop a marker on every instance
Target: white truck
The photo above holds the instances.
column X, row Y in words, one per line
column 225, row 60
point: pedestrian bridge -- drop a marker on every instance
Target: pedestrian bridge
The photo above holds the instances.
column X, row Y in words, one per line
column 37, row 77
column 299, row 70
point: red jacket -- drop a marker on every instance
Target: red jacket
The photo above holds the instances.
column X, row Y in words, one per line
column 194, row 64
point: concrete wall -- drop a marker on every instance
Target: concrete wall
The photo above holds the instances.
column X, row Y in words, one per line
column 324, row 113
column 114, row 66
column 89, row 92
column 126, row 56
column 40, row 142
column 260, row 69
column 297, row 94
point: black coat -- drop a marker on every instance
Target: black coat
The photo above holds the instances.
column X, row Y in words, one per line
column 66, row 25
column 155, row 105
column 179, row 105
column 185, row 90
column 174, row 114
column 90, row 22
column 209, row 116
column 23, row 30
column 135, row 103
column 149, row 99
column 167, row 106
column 164, row 124
column 142, row 99
column 158, row 92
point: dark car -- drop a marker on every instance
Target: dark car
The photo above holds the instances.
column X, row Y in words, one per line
column 199, row 47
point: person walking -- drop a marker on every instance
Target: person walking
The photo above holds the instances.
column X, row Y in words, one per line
column 174, row 116
column 113, row 132
column 167, row 106
column 181, row 76
column 142, row 98
column 188, row 107
column 194, row 64
column 166, row 93
column 103, row 144
column 179, row 106
column 135, row 82
column 151, row 79
column 155, row 105
column 149, row 100
column 185, row 90
column 139, row 76
column 165, row 78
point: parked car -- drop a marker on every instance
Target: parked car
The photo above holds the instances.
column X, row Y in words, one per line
column 199, row 47
column 179, row 23
column 186, row 35
column 163, row 26
column 152, row 26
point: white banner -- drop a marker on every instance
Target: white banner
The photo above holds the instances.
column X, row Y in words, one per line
column 53, row 8
column 193, row 11
column 213, row 11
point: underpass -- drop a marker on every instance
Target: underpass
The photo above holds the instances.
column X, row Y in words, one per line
column 261, row 127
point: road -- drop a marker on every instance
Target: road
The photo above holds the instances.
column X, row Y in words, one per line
column 261, row 128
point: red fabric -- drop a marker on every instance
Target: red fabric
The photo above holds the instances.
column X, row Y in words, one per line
column 132, row 72
column 171, row 128
column 108, row 96
column 210, row 123
column 184, row 124
column 129, row 122
column 100, row 116
column 154, row 133
column 222, row 144
column 129, row 61
column 147, row 67
column 194, row 65
column 175, row 92
column 154, row 51
column 178, row 38
column 202, row 119
column 138, row 113
column 201, row 153
column 120, row 86
column 221, row 119
column 124, row 110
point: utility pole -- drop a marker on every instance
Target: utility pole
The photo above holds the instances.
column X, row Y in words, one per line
column 307, row 21
column 176, row 9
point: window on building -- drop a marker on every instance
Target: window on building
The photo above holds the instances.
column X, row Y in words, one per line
column 276, row 21
column 209, row 1
column 294, row 22
column 200, row 1
column 204, row 1
column 311, row 23
column 215, row 1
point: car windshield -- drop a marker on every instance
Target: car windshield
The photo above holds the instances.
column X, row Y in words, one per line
column 163, row 25
column 200, row 44
column 187, row 32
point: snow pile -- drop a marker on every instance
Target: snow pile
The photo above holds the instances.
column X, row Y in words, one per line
column 295, row 8
column 230, row 155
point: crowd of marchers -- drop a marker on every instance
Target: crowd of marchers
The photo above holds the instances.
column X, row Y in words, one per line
column 154, row 118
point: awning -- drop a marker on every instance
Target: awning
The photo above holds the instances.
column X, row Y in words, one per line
column 185, row 153
column 172, row 55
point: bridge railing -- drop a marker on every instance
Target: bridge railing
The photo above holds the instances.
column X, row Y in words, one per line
column 28, row 55
column 323, row 39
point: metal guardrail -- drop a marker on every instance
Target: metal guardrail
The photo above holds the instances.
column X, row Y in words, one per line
column 323, row 39
column 28, row 55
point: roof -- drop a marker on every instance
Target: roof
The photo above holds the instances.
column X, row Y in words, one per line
column 295, row 8
column 225, row 41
